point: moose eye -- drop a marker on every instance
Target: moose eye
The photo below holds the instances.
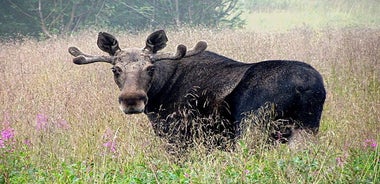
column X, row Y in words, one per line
column 150, row 70
column 116, row 71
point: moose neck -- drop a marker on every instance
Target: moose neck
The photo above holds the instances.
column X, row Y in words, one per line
column 163, row 73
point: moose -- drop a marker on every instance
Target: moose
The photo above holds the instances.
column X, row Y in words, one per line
column 202, row 90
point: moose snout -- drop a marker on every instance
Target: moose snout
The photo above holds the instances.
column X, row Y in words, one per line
column 132, row 103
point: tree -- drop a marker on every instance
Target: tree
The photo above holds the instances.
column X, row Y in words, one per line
column 163, row 13
column 50, row 17
column 57, row 17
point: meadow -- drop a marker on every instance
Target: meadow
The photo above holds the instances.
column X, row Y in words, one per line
column 279, row 15
column 60, row 122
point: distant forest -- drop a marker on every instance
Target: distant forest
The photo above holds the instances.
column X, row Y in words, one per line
column 48, row 18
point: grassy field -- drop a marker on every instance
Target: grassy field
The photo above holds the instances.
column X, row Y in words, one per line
column 279, row 15
column 60, row 122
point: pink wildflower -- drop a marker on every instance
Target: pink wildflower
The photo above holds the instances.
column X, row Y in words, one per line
column 108, row 134
column 111, row 146
column 340, row 161
column 370, row 143
column 27, row 142
column 42, row 121
column 7, row 134
column 110, row 137
column 63, row 124
column 187, row 175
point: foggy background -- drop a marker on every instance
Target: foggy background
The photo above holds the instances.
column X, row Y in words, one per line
column 50, row 18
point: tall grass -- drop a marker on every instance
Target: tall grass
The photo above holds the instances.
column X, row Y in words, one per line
column 60, row 122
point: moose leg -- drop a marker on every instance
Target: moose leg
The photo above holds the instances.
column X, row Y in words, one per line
column 307, row 115
column 309, row 110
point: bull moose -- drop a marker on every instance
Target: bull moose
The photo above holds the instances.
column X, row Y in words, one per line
column 175, row 90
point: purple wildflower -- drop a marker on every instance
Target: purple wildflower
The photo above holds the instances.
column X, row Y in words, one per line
column 108, row 134
column 42, row 121
column 110, row 140
column 7, row 133
column 187, row 175
column 63, row 124
column 340, row 161
column 111, row 146
column 27, row 142
column 371, row 143
column 6, row 138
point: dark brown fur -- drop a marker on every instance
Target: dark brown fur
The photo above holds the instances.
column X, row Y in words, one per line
column 199, row 93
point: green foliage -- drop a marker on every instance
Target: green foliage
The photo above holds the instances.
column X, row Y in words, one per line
column 268, row 5
column 301, row 167
column 50, row 18
column 15, row 165
column 47, row 18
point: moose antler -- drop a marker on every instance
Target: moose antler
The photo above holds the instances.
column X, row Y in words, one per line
column 197, row 49
column 181, row 52
column 82, row 58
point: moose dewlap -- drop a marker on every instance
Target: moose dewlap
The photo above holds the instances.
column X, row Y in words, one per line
column 195, row 91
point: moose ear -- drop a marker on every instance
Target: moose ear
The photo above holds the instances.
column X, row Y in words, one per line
column 108, row 43
column 156, row 41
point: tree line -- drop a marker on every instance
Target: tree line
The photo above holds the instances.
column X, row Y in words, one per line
column 48, row 18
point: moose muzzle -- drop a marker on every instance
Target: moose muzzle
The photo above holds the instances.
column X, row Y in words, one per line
column 133, row 103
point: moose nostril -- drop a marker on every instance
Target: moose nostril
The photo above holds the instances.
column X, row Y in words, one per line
column 130, row 101
column 143, row 98
column 133, row 100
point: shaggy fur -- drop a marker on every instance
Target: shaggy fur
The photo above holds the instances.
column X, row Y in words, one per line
column 201, row 94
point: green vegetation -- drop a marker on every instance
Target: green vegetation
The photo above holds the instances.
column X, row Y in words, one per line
column 61, row 123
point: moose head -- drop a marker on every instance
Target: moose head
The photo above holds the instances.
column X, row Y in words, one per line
column 134, row 68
